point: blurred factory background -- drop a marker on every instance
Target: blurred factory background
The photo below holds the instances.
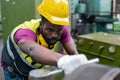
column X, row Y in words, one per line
column 87, row 16
column 95, row 25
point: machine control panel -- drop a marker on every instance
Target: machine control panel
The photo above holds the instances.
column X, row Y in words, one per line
column 100, row 45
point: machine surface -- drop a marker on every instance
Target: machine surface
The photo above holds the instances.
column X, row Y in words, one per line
column 100, row 45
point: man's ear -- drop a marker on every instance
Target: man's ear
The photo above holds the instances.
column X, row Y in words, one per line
column 41, row 27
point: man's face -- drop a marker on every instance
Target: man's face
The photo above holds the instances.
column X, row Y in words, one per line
column 51, row 32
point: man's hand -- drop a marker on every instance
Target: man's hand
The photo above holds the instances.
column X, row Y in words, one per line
column 70, row 62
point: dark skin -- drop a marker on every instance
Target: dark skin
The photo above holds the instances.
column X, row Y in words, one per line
column 43, row 55
column 51, row 31
column 54, row 31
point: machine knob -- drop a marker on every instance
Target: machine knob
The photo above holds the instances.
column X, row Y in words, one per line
column 111, row 49
column 80, row 41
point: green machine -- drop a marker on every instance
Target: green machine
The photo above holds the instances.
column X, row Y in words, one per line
column 94, row 16
column 0, row 18
column 15, row 12
column 104, row 46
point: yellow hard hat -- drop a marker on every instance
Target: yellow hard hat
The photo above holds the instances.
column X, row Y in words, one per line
column 55, row 11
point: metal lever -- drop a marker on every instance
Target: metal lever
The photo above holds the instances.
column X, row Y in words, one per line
column 42, row 74
column 95, row 60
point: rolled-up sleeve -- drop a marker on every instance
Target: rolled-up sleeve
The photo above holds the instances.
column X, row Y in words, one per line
column 66, row 36
column 24, row 34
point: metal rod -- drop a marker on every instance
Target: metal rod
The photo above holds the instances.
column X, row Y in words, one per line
column 42, row 74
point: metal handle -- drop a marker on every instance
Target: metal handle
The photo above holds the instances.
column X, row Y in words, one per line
column 55, row 72
column 38, row 73
column 95, row 60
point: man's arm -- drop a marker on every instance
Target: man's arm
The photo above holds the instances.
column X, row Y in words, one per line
column 39, row 53
column 70, row 47
column 67, row 41
column 45, row 56
column 27, row 43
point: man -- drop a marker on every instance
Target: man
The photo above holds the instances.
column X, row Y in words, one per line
column 28, row 46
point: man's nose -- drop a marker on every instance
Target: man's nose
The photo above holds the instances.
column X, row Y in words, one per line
column 54, row 34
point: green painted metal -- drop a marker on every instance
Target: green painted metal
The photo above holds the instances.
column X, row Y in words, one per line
column 0, row 10
column 0, row 18
column 15, row 12
column 75, row 3
column 101, row 24
column 81, row 8
column 116, row 28
column 99, row 7
column 100, row 45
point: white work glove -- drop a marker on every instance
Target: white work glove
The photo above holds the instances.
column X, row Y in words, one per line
column 70, row 62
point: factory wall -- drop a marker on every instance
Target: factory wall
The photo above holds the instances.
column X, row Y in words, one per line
column 15, row 12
